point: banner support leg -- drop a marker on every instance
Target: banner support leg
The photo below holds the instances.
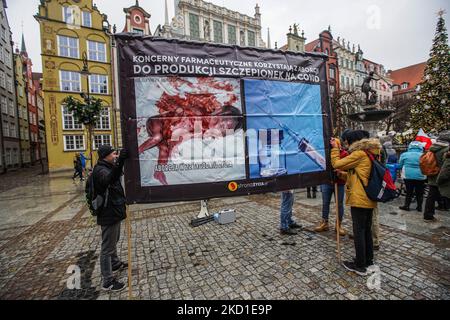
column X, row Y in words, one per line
column 204, row 212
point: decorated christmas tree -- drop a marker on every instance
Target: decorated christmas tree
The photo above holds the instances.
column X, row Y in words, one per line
column 432, row 108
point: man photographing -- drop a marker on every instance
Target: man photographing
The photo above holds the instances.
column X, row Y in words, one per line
column 106, row 178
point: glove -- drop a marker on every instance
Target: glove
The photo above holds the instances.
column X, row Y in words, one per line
column 123, row 155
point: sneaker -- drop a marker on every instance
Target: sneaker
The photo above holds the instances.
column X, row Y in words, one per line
column 372, row 268
column 295, row 225
column 350, row 266
column 323, row 226
column 430, row 220
column 120, row 267
column 288, row 232
column 419, row 209
column 404, row 208
column 114, row 286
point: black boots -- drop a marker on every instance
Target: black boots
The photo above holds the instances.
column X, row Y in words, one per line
column 407, row 203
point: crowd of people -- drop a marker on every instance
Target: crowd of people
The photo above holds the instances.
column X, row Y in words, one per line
column 352, row 168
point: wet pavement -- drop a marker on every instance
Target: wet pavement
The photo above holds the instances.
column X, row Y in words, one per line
column 45, row 228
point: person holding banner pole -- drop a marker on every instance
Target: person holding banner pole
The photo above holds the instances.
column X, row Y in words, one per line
column 106, row 178
column 358, row 167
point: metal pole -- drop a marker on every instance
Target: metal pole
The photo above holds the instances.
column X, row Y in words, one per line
column 338, row 222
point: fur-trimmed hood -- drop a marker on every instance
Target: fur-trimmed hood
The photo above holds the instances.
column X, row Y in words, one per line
column 366, row 145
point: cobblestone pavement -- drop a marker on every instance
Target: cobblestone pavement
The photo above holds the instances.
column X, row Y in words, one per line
column 45, row 228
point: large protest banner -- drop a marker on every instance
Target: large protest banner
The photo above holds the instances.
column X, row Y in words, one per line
column 204, row 120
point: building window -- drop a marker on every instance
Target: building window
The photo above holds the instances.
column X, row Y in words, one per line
column 9, row 85
column 87, row 19
column 8, row 157
column 332, row 73
column 342, row 81
column 97, row 51
column 4, row 105
column 104, row 122
column 70, row 81
column 327, row 52
column 5, row 128
column 138, row 31
column 103, row 139
column 12, row 109
column 4, row 34
column 69, row 121
column 2, row 57
column 68, row 47
column 2, row 79
column 194, row 26
column 353, row 83
column 251, row 39
column 69, row 14
column 98, row 84
column 232, row 34
column 405, row 86
column 74, row 142
column 218, row 31
column 12, row 130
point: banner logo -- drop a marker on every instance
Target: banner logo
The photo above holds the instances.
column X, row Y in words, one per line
column 232, row 186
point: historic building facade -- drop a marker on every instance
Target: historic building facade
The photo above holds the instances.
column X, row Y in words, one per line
column 137, row 20
column 204, row 21
column 22, row 109
column 406, row 81
column 74, row 34
column 9, row 123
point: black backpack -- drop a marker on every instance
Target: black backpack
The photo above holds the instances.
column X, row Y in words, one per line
column 90, row 194
column 95, row 202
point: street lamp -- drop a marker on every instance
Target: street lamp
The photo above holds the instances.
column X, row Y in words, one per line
column 87, row 97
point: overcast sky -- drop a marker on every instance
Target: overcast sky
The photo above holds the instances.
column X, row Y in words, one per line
column 394, row 33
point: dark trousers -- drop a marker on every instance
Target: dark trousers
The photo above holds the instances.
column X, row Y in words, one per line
column 433, row 196
column 108, row 253
column 362, row 233
column 78, row 172
column 417, row 187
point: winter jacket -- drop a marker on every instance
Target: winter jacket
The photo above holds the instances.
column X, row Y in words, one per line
column 439, row 149
column 83, row 160
column 107, row 175
column 77, row 164
column 358, row 167
column 410, row 162
column 443, row 179
column 391, row 154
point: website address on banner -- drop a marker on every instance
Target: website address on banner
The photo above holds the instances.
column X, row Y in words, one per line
column 193, row 166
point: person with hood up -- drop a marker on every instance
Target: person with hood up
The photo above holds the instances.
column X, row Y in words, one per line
column 440, row 149
column 414, row 179
column 358, row 167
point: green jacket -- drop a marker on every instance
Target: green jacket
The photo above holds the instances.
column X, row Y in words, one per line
column 443, row 179
column 439, row 149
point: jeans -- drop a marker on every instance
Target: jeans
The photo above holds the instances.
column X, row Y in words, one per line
column 362, row 233
column 433, row 196
column 108, row 253
column 327, row 192
column 287, row 202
